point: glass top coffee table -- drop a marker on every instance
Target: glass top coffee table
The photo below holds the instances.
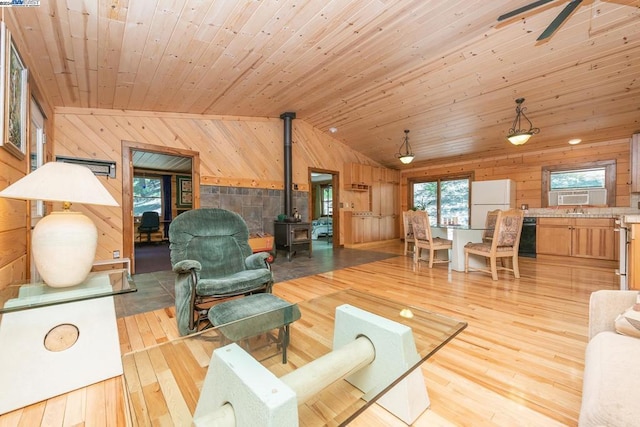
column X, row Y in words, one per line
column 164, row 381
column 98, row 284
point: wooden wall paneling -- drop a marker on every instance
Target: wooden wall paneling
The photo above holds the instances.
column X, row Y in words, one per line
column 13, row 212
column 15, row 271
column 233, row 151
column 13, row 246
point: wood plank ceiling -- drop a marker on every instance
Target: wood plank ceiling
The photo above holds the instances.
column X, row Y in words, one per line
column 444, row 69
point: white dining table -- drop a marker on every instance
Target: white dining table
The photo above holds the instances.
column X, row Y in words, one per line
column 460, row 236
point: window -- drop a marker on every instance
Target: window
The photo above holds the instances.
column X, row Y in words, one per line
column 327, row 200
column 577, row 176
column 581, row 178
column 147, row 195
column 446, row 200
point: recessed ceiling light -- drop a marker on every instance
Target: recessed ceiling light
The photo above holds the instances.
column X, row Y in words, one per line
column 575, row 141
column 333, row 130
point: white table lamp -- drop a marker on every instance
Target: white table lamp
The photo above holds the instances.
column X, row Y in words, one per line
column 63, row 243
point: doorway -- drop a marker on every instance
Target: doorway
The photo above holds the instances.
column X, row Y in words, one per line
column 323, row 197
column 163, row 168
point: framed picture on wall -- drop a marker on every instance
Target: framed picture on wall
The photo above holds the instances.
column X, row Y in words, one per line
column 184, row 193
column 14, row 97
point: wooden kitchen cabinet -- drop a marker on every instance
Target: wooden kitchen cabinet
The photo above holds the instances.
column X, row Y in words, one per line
column 361, row 227
column 553, row 236
column 380, row 174
column 392, row 176
column 384, row 198
column 377, row 219
column 357, row 177
column 595, row 238
column 388, row 227
column 577, row 237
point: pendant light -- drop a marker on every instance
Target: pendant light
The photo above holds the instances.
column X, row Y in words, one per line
column 407, row 156
column 517, row 135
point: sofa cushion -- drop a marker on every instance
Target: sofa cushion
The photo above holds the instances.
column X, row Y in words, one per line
column 610, row 383
column 628, row 322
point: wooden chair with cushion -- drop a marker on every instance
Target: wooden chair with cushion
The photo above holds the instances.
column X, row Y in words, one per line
column 504, row 244
column 423, row 239
column 407, row 231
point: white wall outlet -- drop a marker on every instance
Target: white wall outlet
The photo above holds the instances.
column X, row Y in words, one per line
column 116, row 254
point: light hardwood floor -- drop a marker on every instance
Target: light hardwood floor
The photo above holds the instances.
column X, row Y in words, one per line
column 519, row 362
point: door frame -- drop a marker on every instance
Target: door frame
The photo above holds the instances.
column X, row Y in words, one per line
column 128, row 228
column 37, row 141
column 335, row 185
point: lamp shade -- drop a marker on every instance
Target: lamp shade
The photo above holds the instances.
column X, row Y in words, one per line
column 63, row 243
column 406, row 159
column 61, row 182
column 519, row 139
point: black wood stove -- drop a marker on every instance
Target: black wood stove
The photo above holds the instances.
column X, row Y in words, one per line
column 292, row 237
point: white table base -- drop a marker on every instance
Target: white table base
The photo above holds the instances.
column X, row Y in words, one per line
column 30, row 373
column 461, row 237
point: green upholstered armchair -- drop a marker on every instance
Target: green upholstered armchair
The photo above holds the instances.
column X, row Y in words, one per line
column 211, row 256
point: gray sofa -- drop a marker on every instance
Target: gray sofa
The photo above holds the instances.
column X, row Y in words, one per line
column 611, row 387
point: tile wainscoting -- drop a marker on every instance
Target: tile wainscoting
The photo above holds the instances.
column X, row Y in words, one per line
column 259, row 207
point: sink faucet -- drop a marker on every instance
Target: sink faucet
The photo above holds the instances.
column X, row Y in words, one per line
column 575, row 210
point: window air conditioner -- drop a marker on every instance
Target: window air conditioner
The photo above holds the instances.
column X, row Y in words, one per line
column 578, row 197
column 573, row 198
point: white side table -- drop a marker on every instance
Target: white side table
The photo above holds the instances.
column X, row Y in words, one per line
column 55, row 340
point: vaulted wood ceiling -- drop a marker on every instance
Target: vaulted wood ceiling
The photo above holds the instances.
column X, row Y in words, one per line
column 444, row 69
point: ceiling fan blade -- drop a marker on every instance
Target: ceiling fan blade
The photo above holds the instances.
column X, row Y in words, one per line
column 523, row 9
column 559, row 19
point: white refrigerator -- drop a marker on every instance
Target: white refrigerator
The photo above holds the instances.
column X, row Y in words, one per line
column 488, row 196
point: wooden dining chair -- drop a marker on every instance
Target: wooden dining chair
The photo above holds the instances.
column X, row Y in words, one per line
column 504, row 244
column 425, row 240
column 407, row 231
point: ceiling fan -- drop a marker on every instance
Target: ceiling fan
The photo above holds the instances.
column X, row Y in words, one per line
column 562, row 16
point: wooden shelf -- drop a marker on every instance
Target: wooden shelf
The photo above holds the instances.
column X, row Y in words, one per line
column 357, row 187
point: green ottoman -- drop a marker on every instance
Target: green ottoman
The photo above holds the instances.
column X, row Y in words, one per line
column 245, row 317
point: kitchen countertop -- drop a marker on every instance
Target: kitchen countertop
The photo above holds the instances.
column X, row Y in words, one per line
column 631, row 219
column 583, row 213
column 572, row 215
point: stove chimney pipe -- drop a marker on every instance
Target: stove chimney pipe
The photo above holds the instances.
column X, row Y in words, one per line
column 287, row 117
